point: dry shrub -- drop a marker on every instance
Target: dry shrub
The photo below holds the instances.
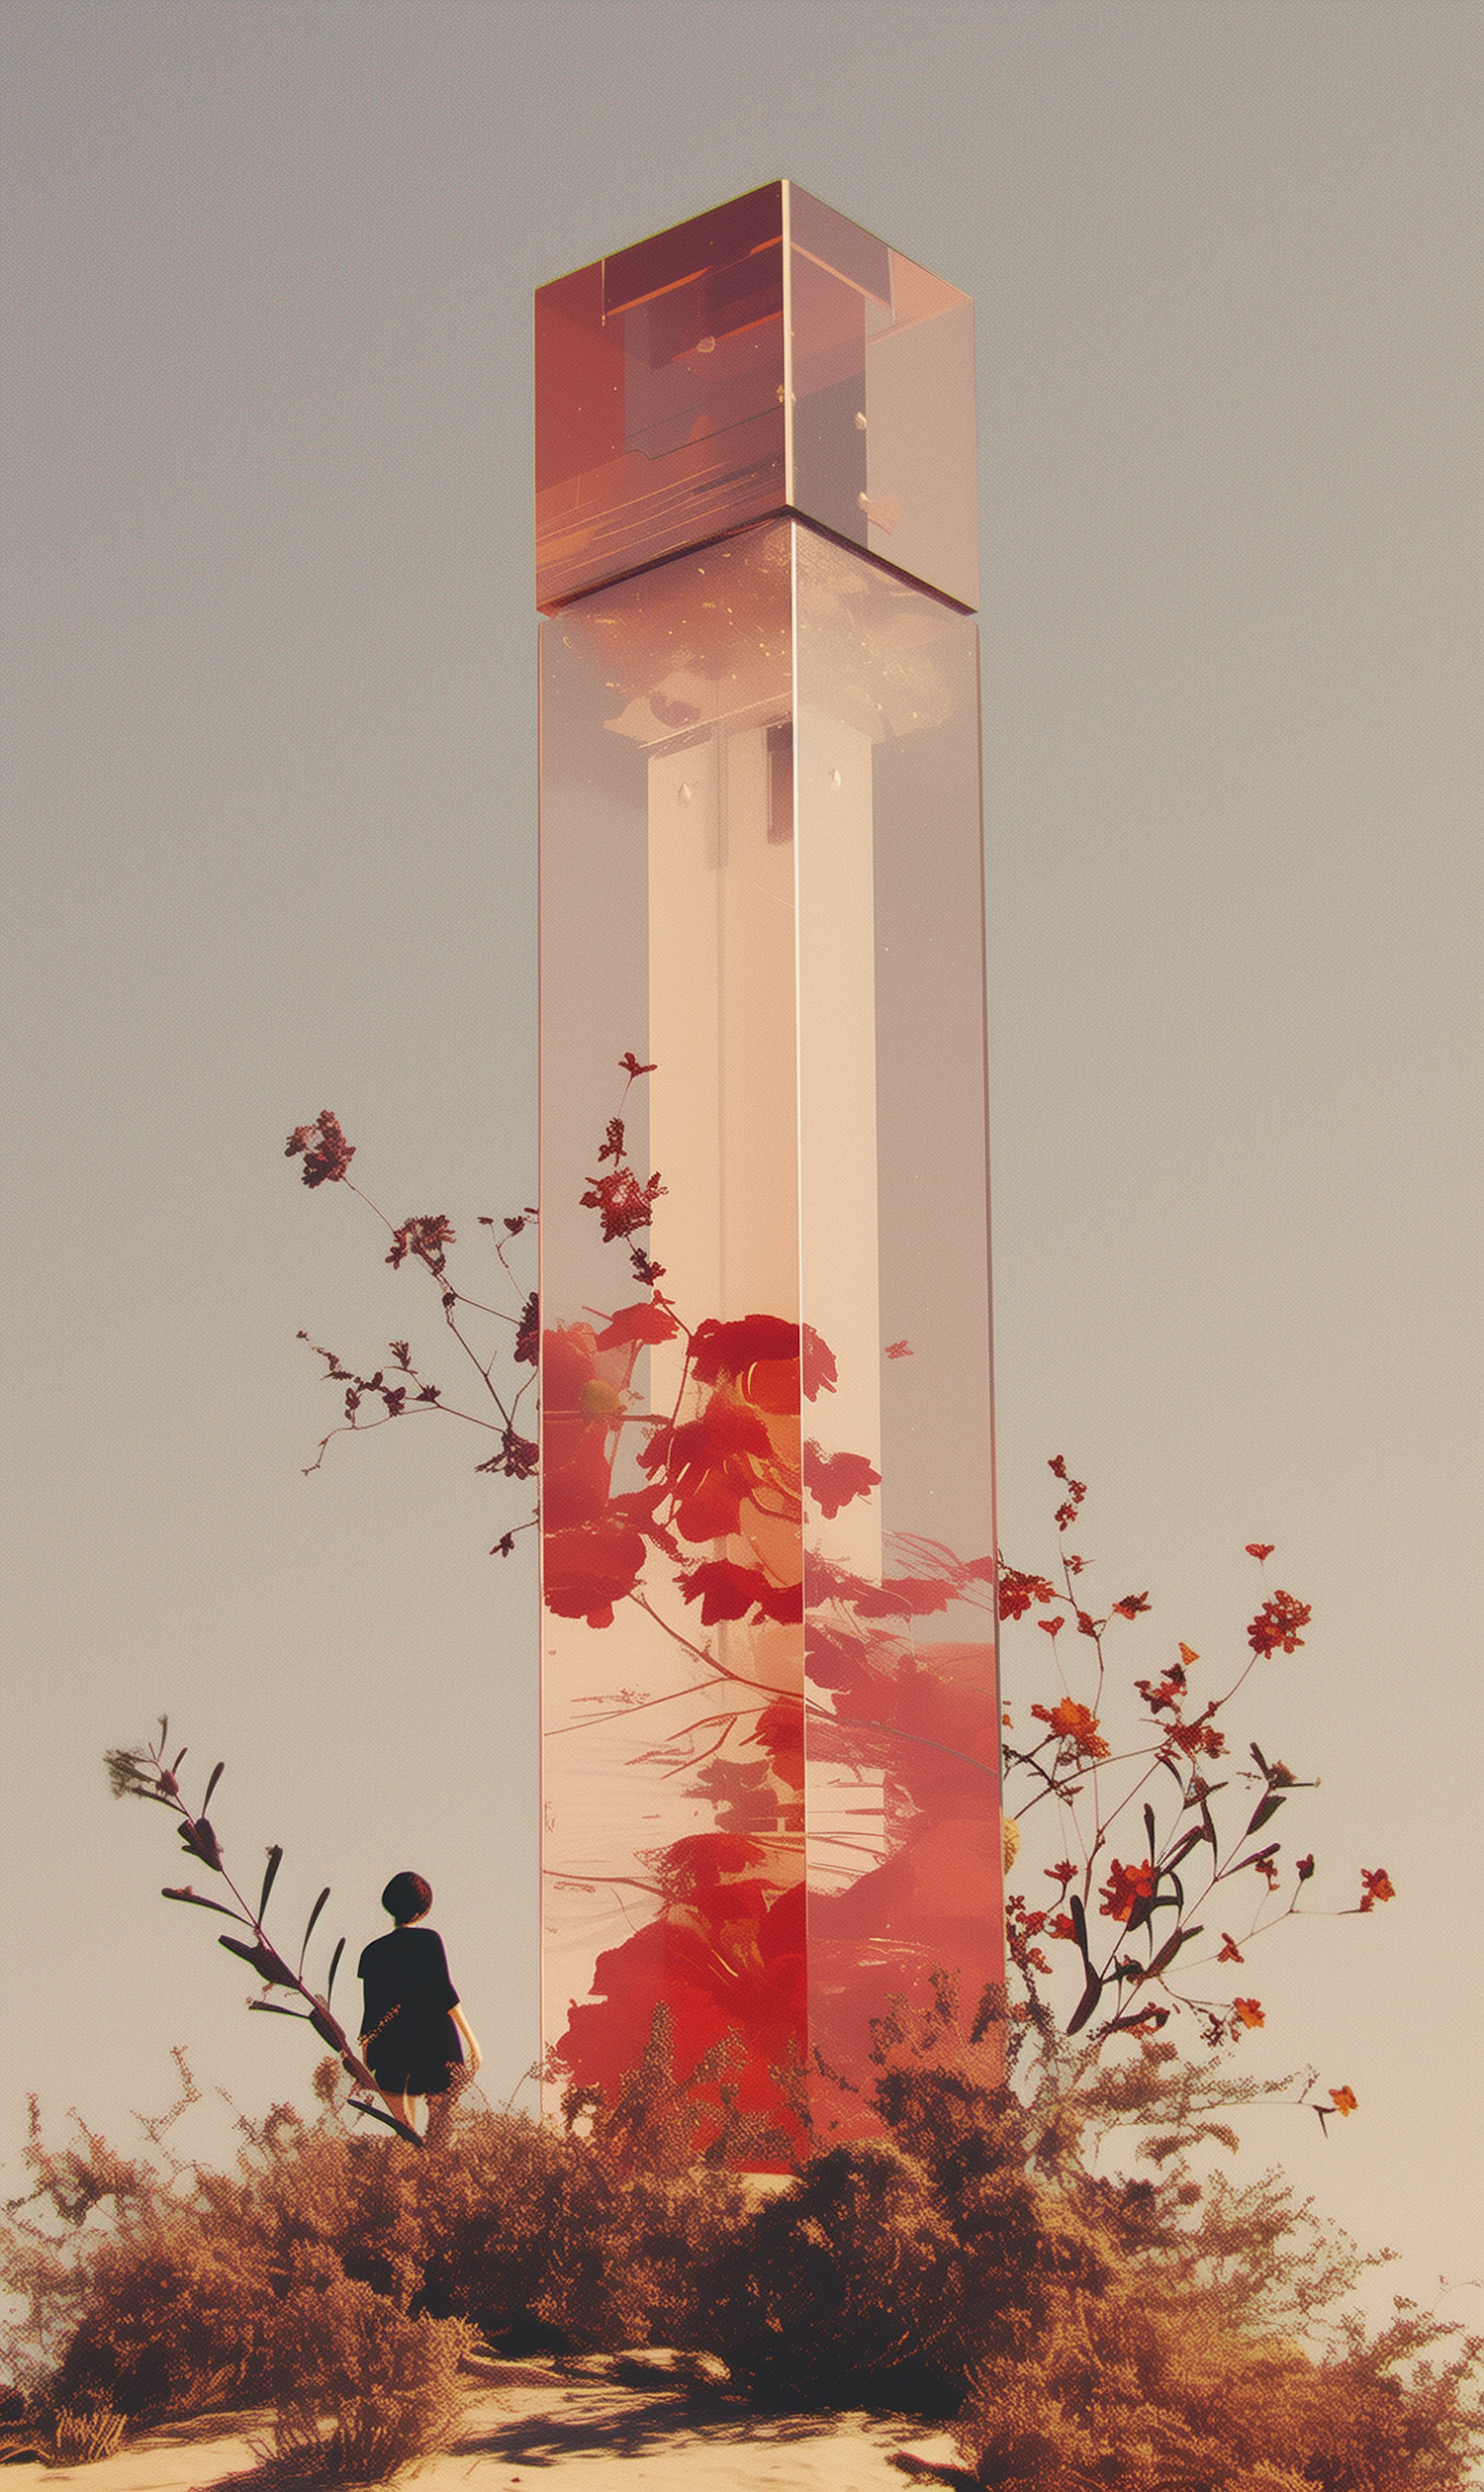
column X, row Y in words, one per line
column 173, row 2324
column 361, row 2392
column 842, row 2292
column 1159, row 2391
column 80, row 2438
column 544, row 2244
column 1161, row 2332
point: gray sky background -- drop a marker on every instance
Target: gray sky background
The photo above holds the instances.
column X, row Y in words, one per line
column 271, row 782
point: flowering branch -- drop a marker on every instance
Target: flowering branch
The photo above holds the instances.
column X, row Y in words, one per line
column 403, row 1390
column 142, row 1774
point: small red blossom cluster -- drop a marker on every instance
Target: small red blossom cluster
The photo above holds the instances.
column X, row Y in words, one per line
column 1275, row 1629
column 1195, row 1739
column 623, row 1203
column 1375, row 1887
column 326, row 1152
column 1017, row 1592
column 1022, row 1928
column 427, row 1239
column 1076, row 1490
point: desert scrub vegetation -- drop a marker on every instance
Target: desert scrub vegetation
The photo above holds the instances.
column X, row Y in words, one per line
column 1171, row 2333
column 978, row 2254
column 360, row 2392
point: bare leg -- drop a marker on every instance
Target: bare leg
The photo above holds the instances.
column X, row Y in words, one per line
column 440, row 2108
column 401, row 2107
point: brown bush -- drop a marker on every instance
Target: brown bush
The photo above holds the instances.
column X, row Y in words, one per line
column 1160, row 2333
column 361, row 2392
column 1160, row 2391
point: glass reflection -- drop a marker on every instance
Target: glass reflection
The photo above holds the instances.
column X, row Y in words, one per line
column 767, row 357
column 770, row 1709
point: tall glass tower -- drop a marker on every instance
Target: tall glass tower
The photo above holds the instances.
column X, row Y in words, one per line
column 770, row 1721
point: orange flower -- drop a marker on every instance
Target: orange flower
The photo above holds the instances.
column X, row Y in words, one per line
column 1126, row 1889
column 1250, row 2013
column 1376, row 1888
column 1074, row 1722
column 1343, row 2100
column 1132, row 1604
column 1187, row 1656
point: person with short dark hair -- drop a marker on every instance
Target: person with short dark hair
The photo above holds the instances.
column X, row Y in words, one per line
column 415, row 2034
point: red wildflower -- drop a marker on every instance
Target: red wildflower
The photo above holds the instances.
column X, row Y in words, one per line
column 1017, row 1592
column 1051, row 1627
column 623, row 1203
column 326, row 1152
column 1376, row 1888
column 1231, row 1953
column 1064, row 1873
column 1063, row 1926
column 1250, row 2013
column 899, row 1349
column 1132, row 1605
column 1276, row 1625
column 529, row 1333
column 517, row 1457
column 1344, row 2101
column 426, row 1237
column 1196, row 1739
column 1021, row 1928
column 1074, row 1722
column 1305, row 1866
column 1260, row 1549
column 1126, row 1889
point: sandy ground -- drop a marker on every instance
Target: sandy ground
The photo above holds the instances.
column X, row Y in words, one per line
column 527, row 2423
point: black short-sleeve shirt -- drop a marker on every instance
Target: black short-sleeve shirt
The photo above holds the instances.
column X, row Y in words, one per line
column 408, row 1995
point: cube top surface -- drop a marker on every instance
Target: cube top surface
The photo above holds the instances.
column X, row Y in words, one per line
column 769, row 357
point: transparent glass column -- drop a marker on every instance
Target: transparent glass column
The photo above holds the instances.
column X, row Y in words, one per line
column 770, row 1709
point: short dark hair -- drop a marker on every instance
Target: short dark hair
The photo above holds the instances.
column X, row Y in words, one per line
column 406, row 1896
